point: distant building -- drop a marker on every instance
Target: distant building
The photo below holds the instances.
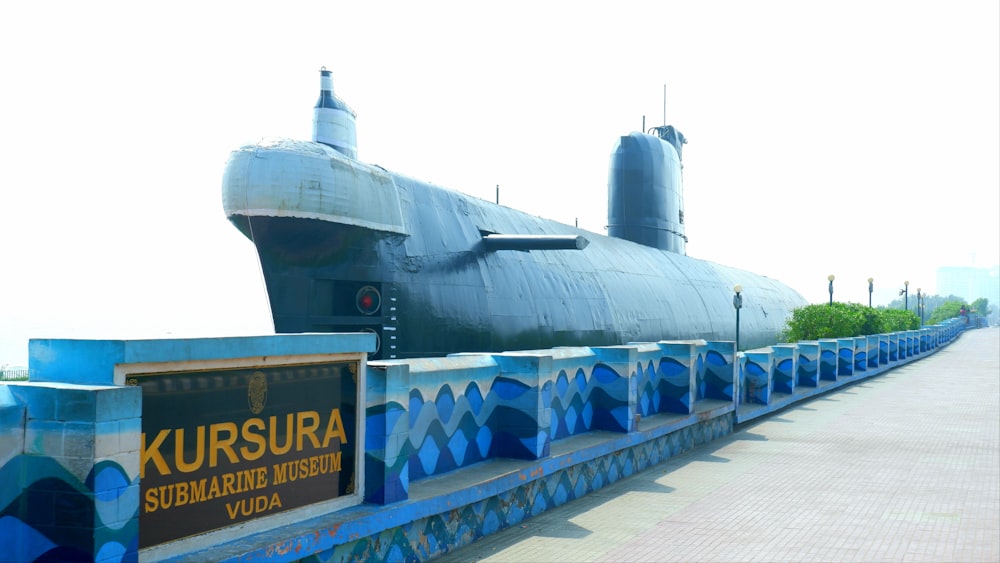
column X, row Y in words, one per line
column 971, row 283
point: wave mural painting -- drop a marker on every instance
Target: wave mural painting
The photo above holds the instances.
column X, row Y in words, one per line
column 70, row 477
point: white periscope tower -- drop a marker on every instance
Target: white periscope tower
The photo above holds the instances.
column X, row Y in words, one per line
column 333, row 120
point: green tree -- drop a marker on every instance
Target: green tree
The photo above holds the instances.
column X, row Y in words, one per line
column 947, row 310
column 981, row 306
column 931, row 302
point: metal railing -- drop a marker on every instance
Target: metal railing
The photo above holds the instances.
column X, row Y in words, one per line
column 16, row 374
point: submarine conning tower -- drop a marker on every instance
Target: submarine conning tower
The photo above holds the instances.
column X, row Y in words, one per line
column 333, row 120
column 645, row 190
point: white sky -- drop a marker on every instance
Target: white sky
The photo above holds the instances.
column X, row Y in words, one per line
column 853, row 138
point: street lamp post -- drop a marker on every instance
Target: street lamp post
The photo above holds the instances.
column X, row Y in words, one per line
column 920, row 306
column 831, row 278
column 870, row 280
column 906, row 293
column 738, row 304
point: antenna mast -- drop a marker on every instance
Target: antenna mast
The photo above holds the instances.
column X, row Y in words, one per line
column 664, row 104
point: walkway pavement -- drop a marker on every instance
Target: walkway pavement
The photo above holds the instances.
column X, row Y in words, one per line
column 901, row 467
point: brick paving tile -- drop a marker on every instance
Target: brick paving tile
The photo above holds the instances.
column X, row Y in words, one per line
column 901, row 467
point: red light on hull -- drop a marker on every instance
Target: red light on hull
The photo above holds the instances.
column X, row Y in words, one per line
column 368, row 300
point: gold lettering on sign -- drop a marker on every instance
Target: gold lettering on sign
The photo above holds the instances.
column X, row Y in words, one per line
column 219, row 447
column 192, row 492
column 302, row 431
column 251, row 506
column 291, row 471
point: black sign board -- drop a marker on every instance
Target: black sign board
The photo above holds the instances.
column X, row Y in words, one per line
column 226, row 446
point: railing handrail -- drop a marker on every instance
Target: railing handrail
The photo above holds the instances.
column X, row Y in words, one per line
column 17, row 374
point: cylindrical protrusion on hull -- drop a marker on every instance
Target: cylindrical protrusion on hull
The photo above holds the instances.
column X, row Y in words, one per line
column 333, row 120
column 645, row 202
column 535, row 242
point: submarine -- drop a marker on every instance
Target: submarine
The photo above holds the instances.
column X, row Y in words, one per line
column 346, row 246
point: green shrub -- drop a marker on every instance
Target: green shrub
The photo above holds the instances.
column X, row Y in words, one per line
column 896, row 320
column 844, row 320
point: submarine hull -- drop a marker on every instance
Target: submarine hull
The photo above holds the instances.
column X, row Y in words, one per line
column 346, row 246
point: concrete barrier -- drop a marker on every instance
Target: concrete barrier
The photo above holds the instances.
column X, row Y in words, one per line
column 808, row 365
column 448, row 449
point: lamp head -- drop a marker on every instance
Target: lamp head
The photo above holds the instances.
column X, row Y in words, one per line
column 830, row 277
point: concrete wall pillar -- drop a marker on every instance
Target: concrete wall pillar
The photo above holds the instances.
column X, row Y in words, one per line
column 860, row 354
column 76, row 472
column 524, row 418
column 807, row 367
column 757, row 376
column 623, row 392
column 845, row 356
column 678, row 369
column 387, row 433
column 873, row 351
column 829, row 359
column 784, row 367
column 720, row 371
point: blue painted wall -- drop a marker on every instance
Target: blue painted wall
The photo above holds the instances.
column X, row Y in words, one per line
column 70, row 437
